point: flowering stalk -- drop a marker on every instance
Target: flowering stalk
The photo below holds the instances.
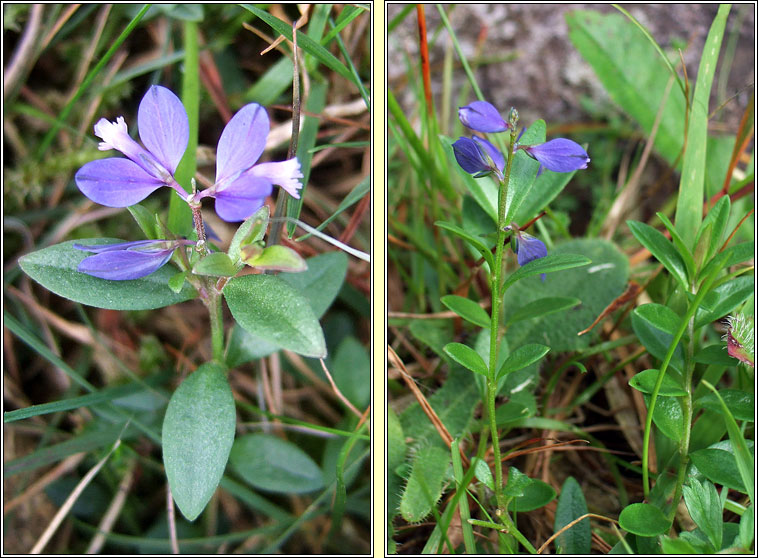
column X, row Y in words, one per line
column 495, row 316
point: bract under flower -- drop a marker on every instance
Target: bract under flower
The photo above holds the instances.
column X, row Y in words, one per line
column 559, row 155
column 482, row 117
column 479, row 157
column 242, row 185
column 163, row 128
column 127, row 260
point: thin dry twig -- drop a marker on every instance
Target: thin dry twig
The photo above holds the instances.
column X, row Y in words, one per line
column 70, row 501
column 113, row 511
column 61, row 469
column 337, row 390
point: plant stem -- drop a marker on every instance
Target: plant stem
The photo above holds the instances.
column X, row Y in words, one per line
column 215, row 310
column 495, row 321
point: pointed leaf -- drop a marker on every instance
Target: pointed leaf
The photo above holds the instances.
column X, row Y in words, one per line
column 55, row 268
column 661, row 249
column 522, row 357
column 467, row 357
column 467, row 309
column 198, row 432
column 269, row 308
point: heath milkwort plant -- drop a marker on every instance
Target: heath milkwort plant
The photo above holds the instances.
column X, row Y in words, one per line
column 481, row 158
column 199, row 424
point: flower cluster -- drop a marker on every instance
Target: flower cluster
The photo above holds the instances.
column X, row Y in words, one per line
column 241, row 186
column 480, row 158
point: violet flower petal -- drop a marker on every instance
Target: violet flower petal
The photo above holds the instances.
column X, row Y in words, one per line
column 115, row 182
column 494, row 153
column 282, row 173
column 560, row 155
column 530, row 249
column 100, row 248
column 242, row 198
column 478, row 157
column 163, row 126
column 123, row 265
column 241, row 142
column 482, row 117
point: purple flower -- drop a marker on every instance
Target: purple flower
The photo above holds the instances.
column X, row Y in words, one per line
column 242, row 185
column 478, row 157
column 559, row 155
column 127, row 260
column 528, row 248
column 163, row 129
column 482, row 117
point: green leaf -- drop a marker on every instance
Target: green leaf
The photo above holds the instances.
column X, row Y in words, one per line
column 704, row 506
column 396, row 446
column 719, row 466
column 711, row 230
column 176, row 283
column 662, row 250
column 536, row 494
column 475, row 242
column 668, row 416
column 655, row 340
column 645, row 520
column 689, row 205
column 548, row 264
column 145, row 220
column 645, row 382
column 660, row 316
column 351, row 370
column 523, row 171
column 632, row 73
column 747, row 527
column 679, row 244
column 516, row 484
column 215, row 264
column 424, row 486
column 732, row 255
column 55, row 267
column 521, row 358
column 520, row 405
column 542, row 307
column 269, row 308
column 467, row 309
column 250, row 231
column 745, row 461
column 321, row 282
column 740, row 403
column 271, row 464
column 723, row 299
column 466, row 357
column 198, row 432
column 545, row 189
column 596, row 286
column 572, row 505
column 276, row 258
column 269, row 87
column 715, row 354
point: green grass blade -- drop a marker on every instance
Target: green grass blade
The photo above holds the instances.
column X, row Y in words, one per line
column 689, row 205
column 179, row 213
column 303, row 41
column 47, row 140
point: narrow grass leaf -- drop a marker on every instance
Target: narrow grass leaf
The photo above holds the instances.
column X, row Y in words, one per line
column 662, row 250
column 689, row 205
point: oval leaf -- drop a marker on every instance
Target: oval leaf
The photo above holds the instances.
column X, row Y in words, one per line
column 522, row 357
column 572, row 505
column 536, row 494
column 543, row 307
column 271, row 309
column 198, row 432
column 548, row 264
column 216, row 264
column 55, row 268
column 321, row 282
column 645, row 382
column 274, row 465
column 466, row 357
column 467, row 309
column 644, row 520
